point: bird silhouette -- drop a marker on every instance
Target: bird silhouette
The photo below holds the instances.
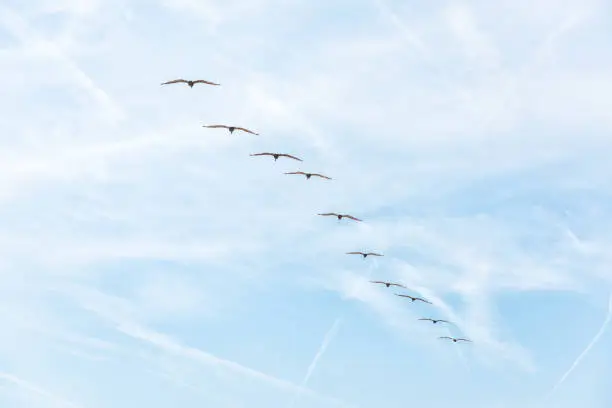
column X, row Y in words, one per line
column 231, row 128
column 364, row 254
column 340, row 216
column 190, row 83
column 454, row 339
column 413, row 298
column 309, row 175
column 388, row 284
column 277, row 155
column 434, row 321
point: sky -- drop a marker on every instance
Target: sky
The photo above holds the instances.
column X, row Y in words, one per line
column 148, row 261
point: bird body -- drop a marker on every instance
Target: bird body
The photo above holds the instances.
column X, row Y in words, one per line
column 309, row 175
column 434, row 321
column 340, row 216
column 277, row 155
column 231, row 128
column 388, row 284
column 364, row 254
column 455, row 340
column 190, row 83
column 413, row 298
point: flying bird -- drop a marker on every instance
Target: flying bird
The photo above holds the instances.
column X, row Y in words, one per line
column 455, row 339
column 190, row 83
column 340, row 216
column 413, row 298
column 388, row 284
column 434, row 321
column 231, row 128
column 309, row 175
column 277, row 155
column 364, row 254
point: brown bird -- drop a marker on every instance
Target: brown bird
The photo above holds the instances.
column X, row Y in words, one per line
column 434, row 321
column 309, row 175
column 364, row 254
column 455, row 339
column 340, row 216
column 190, row 83
column 231, row 128
column 277, row 155
column 388, row 284
column 413, row 298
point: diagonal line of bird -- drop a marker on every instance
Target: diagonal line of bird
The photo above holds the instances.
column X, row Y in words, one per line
column 339, row 216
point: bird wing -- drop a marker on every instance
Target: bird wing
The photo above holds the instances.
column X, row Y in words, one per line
column 354, row 253
column 351, row 217
column 204, row 82
column 325, row 214
column 215, row 126
column 445, row 321
column 246, row 130
column 423, row 300
column 262, row 154
column 174, row 81
column 426, row 319
column 320, row 175
column 384, row 283
column 398, row 285
column 291, row 157
column 464, row 340
column 445, row 337
column 300, row 172
column 406, row 296
column 374, row 254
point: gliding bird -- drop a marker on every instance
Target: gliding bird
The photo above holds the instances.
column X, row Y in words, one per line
column 364, row 254
column 387, row 284
column 309, row 175
column 277, row 155
column 231, row 128
column 455, row 339
column 413, row 298
column 190, row 83
column 340, row 216
column 434, row 321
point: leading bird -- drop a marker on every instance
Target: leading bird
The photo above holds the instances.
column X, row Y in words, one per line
column 340, row 216
column 434, row 321
column 230, row 128
column 388, row 284
column 190, row 83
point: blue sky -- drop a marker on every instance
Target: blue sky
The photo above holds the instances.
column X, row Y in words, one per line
column 147, row 261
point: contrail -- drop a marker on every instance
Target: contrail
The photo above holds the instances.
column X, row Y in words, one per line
column 588, row 348
column 329, row 336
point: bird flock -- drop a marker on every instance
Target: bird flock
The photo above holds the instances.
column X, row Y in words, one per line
column 339, row 216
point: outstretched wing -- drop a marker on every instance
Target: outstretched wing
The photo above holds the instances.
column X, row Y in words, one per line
column 351, row 217
column 216, row 126
column 406, row 296
column 174, row 81
column 398, row 285
column 354, row 253
column 291, row 157
column 262, row 154
column 326, row 214
column 320, row 175
column 246, row 130
column 431, row 320
column 384, row 283
column 470, row 341
column 374, row 254
column 204, row 82
column 301, row 172
column 423, row 300
column 445, row 337
column 445, row 321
